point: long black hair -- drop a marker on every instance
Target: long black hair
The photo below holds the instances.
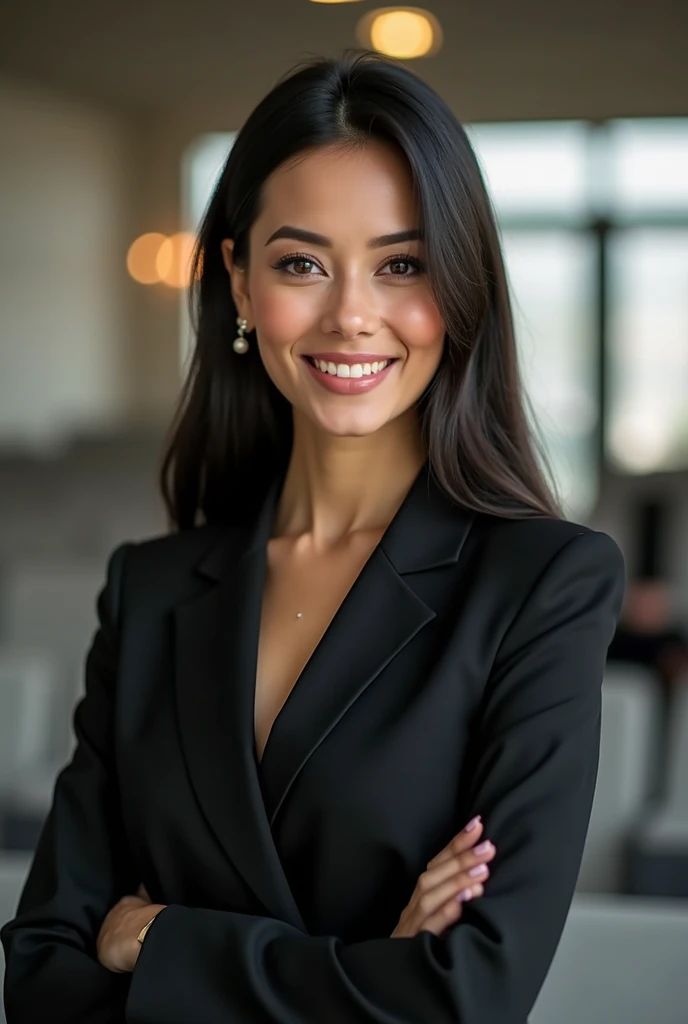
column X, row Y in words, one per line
column 232, row 431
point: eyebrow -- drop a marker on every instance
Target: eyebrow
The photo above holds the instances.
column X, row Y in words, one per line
column 310, row 237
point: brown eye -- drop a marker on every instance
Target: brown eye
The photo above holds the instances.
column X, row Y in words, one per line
column 296, row 266
column 403, row 266
column 305, row 265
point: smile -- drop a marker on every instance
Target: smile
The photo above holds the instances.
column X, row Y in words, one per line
column 342, row 376
column 349, row 369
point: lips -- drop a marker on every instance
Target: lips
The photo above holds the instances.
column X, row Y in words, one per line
column 353, row 378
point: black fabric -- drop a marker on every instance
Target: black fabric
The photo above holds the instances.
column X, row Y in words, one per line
column 461, row 675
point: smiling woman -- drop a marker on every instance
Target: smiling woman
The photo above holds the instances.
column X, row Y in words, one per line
column 350, row 286
column 364, row 168
column 362, row 674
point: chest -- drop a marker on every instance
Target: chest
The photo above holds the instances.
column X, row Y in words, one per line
column 302, row 594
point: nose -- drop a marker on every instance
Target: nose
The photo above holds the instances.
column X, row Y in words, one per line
column 351, row 310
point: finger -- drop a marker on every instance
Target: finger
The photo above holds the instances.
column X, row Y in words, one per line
column 462, row 841
column 142, row 893
column 448, row 868
column 428, row 903
column 446, row 915
column 480, row 853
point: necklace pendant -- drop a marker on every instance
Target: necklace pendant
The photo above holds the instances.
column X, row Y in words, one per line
column 299, row 615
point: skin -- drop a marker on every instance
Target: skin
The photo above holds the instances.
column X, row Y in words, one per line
column 354, row 457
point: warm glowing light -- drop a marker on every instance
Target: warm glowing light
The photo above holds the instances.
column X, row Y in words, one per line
column 403, row 32
column 174, row 260
column 142, row 256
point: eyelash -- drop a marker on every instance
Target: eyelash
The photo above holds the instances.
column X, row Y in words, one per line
column 284, row 261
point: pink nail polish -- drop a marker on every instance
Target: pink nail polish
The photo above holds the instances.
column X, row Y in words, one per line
column 472, row 823
column 483, row 847
column 479, row 870
column 465, row 895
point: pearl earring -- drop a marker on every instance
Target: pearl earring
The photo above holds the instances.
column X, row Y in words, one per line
column 240, row 344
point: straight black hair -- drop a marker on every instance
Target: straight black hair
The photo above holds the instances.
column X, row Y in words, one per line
column 232, row 431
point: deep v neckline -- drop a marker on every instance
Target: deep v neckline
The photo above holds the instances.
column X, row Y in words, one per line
column 321, row 634
column 305, row 706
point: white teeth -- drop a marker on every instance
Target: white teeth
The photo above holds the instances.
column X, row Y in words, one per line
column 355, row 370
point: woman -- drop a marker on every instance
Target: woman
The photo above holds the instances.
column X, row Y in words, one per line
column 370, row 627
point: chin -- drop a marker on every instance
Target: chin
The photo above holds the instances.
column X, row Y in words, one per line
column 350, row 426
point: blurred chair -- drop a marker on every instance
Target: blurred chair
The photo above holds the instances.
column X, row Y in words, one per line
column 50, row 605
column 658, row 863
column 626, row 780
column 620, row 959
column 27, row 696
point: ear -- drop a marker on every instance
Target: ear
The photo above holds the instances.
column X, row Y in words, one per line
column 238, row 282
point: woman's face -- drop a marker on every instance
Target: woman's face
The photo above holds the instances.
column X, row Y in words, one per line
column 335, row 286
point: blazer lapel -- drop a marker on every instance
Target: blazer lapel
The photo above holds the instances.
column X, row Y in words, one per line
column 216, row 654
column 383, row 612
column 216, row 638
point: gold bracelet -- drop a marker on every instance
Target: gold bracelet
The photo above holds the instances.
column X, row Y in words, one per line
column 142, row 934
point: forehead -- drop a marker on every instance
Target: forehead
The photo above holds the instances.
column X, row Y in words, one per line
column 368, row 186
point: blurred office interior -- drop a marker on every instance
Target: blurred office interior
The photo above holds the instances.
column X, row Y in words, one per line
column 114, row 121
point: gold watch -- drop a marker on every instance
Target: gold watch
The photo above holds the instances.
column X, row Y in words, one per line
column 142, row 934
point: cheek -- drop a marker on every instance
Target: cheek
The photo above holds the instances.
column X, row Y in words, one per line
column 284, row 314
column 416, row 321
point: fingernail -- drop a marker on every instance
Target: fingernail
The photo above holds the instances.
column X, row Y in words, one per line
column 466, row 894
column 483, row 847
column 472, row 823
column 478, row 870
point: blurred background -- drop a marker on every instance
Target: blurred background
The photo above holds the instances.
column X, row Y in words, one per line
column 115, row 120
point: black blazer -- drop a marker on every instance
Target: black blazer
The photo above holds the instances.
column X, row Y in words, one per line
column 461, row 676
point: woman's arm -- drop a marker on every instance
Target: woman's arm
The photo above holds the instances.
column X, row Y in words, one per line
column 533, row 781
column 81, row 864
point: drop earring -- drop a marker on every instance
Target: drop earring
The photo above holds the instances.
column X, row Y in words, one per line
column 240, row 344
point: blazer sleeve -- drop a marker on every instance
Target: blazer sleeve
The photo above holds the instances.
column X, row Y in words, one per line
column 533, row 779
column 80, row 866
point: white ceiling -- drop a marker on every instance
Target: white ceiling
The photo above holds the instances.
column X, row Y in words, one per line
column 527, row 58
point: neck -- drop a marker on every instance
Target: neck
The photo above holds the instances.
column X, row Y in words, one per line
column 339, row 486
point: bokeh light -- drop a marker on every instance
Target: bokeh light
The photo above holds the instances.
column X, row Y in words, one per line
column 173, row 261
column 142, row 256
column 404, row 32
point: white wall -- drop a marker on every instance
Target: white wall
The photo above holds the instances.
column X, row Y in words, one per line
column 64, row 211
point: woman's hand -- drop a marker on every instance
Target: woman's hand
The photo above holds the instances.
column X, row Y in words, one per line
column 117, row 947
column 437, row 901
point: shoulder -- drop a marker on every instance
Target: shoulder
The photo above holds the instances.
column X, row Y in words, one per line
column 160, row 568
column 176, row 552
column 533, row 545
column 532, row 566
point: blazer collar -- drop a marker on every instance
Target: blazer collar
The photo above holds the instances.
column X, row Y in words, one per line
column 216, row 641
column 427, row 531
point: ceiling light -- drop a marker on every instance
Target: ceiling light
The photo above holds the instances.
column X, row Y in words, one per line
column 402, row 32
